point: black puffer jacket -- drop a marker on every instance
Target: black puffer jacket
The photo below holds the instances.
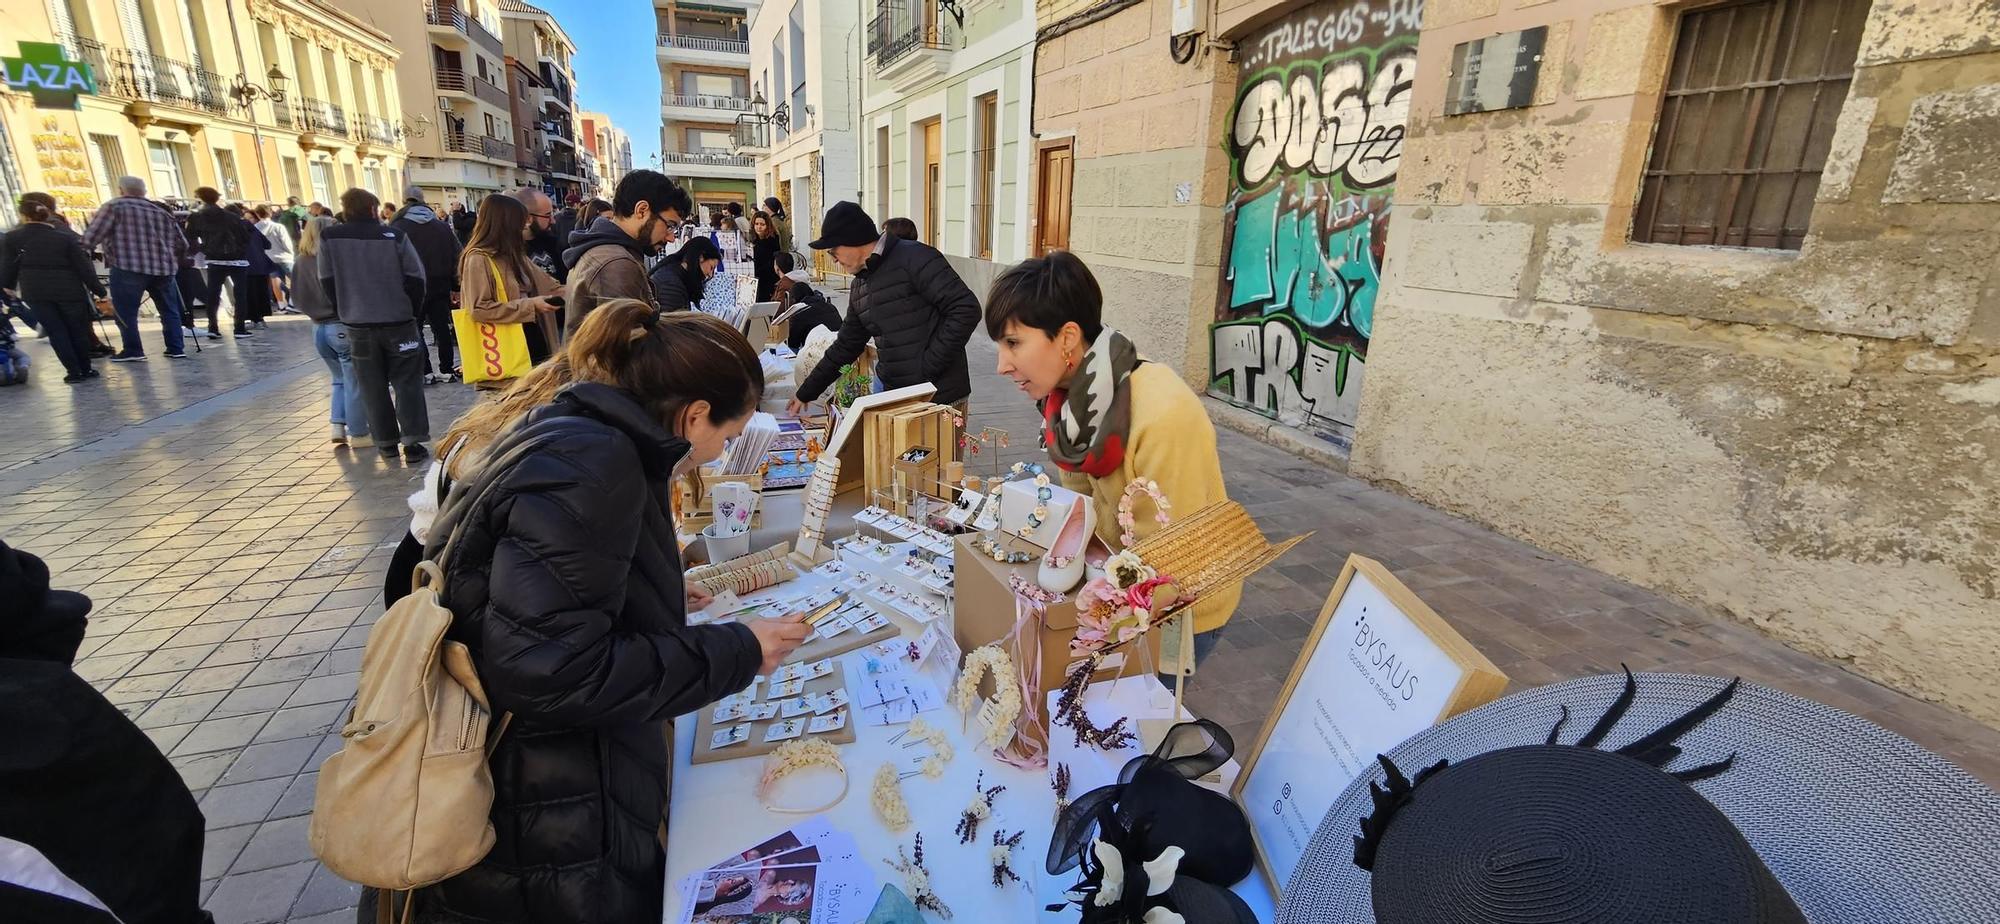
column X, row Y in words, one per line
column 47, row 265
column 567, row 587
column 921, row 315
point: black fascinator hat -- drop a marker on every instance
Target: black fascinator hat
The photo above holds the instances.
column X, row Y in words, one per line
column 1687, row 800
column 1155, row 839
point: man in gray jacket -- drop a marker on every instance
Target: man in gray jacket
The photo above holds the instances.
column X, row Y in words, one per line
column 380, row 311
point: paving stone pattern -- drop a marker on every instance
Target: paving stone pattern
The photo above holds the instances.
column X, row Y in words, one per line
column 235, row 561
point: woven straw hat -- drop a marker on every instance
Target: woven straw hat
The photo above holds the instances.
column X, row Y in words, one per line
column 1219, row 545
column 1856, row 823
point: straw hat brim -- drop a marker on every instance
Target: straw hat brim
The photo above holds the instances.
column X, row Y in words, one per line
column 1858, row 823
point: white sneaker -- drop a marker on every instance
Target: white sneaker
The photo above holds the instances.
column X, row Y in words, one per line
column 340, row 434
column 360, row 442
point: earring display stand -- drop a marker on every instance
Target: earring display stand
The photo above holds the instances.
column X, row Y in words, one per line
column 756, row 746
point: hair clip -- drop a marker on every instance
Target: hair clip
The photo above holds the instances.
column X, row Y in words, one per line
column 978, row 810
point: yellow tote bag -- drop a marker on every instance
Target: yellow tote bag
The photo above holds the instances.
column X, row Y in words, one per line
column 490, row 352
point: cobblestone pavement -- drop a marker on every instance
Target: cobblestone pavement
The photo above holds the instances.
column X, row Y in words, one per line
column 235, row 560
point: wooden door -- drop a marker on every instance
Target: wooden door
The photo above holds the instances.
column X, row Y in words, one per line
column 933, row 181
column 1053, row 203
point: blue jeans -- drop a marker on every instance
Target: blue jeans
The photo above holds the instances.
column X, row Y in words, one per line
column 333, row 346
column 126, row 289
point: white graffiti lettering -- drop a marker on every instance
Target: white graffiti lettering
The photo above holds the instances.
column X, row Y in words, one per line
column 1336, row 31
column 1272, row 370
column 1348, row 123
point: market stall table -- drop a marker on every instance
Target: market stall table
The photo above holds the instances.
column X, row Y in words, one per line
column 715, row 810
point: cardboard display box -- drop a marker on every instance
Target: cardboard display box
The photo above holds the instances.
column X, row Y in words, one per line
column 894, row 431
column 984, row 614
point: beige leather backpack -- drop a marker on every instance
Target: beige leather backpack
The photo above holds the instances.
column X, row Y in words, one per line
column 407, row 800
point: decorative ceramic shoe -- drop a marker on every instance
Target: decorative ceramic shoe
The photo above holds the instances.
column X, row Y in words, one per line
column 1062, row 567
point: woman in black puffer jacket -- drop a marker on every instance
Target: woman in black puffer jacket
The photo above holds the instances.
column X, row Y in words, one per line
column 566, row 582
column 47, row 264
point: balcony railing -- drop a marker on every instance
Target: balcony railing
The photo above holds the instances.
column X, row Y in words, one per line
column 563, row 164
column 376, row 130
column 705, row 43
column 445, row 14
column 705, row 101
column 708, row 158
column 454, row 79
column 752, row 133
column 485, row 39
column 496, row 148
column 281, row 113
column 321, row 117
column 124, row 73
column 898, row 29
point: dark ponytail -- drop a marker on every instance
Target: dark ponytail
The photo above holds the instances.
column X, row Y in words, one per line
column 37, row 206
column 668, row 360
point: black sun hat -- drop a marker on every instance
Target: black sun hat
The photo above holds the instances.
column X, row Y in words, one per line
column 1688, row 800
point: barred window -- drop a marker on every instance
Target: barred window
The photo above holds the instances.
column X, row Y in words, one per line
column 1751, row 100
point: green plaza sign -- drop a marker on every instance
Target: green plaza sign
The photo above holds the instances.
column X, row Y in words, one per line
column 42, row 72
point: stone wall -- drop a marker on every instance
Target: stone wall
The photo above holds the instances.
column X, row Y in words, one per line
column 1808, row 441
column 1149, row 180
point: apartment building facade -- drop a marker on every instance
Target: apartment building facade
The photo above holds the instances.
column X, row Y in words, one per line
column 801, row 124
column 535, row 42
column 945, row 123
column 609, row 148
column 260, row 99
column 704, row 59
column 453, row 75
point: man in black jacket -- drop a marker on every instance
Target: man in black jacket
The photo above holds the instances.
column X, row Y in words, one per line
column 358, row 263
column 224, row 240
column 437, row 248
column 462, row 220
column 907, row 297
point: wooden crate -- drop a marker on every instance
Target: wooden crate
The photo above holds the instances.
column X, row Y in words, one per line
column 888, row 435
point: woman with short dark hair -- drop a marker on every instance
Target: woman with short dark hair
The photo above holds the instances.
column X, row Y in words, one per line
column 1110, row 416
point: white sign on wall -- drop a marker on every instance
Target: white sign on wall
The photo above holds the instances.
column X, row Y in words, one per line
column 1379, row 667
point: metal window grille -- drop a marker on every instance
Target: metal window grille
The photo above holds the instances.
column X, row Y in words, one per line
column 1751, row 100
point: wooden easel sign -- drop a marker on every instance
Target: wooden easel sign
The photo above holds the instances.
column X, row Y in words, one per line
column 1379, row 667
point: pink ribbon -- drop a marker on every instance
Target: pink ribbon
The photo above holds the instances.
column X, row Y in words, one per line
column 1028, row 749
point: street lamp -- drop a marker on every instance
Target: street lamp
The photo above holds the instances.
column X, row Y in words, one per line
column 246, row 92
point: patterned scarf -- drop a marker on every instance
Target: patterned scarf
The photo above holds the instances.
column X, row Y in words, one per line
column 1085, row 422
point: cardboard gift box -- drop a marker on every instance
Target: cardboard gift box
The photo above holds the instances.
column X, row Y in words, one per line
column 984, row 614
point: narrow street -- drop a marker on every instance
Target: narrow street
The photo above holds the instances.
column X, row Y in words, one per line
column 235, row 560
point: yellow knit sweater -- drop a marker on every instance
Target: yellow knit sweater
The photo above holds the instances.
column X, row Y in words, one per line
column 1172, row 442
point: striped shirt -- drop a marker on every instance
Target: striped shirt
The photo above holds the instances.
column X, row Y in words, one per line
column 137, row 236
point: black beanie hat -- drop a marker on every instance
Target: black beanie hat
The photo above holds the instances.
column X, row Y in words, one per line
column 846, row 225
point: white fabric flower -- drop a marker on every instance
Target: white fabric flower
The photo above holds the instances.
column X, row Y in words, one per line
column 1161, row 869
column 1112, row 886
column 1001, row 854
column 1126, row 569
column 1159, row 915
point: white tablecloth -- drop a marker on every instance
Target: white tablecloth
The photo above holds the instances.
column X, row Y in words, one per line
column 715, row 811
